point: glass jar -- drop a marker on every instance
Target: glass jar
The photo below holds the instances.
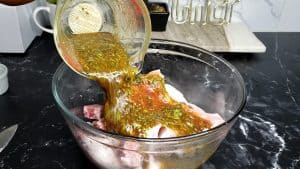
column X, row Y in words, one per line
column 127, row 19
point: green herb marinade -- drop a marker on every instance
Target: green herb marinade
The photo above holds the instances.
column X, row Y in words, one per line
column 135, row 102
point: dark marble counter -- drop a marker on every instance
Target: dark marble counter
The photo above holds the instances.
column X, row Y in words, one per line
column 267, row 134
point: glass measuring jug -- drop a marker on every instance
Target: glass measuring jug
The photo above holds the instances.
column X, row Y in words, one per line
column 128, row 20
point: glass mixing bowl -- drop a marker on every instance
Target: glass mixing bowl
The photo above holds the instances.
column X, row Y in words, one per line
column 128, row 20
column 205, row 80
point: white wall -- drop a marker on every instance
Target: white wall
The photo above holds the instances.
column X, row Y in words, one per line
column 267, row 15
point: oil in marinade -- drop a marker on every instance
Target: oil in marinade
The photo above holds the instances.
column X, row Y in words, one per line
column 135, row 102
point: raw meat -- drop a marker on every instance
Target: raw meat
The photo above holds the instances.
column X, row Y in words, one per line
column 159, row 130
column 93, row 112
column 214, row 118
column 128, row 157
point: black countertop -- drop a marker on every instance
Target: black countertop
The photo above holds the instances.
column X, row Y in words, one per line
column 266, row 135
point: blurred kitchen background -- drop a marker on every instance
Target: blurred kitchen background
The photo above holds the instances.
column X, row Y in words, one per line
column 261, row 15
column 248, row 16
column 266, row 15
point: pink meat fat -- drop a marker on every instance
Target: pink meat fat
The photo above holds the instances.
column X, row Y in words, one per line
column 93, row 112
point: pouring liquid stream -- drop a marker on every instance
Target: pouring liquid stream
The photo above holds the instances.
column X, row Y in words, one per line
column 135, row 102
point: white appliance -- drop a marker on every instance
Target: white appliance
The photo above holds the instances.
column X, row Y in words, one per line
column 17, row 29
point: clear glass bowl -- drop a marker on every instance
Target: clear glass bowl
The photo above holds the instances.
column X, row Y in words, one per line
column 129, row 20
column 205, row 80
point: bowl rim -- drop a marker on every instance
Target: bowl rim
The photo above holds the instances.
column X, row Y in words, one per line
column 85, row 126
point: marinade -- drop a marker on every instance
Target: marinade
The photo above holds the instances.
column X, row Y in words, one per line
column 135, row 102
